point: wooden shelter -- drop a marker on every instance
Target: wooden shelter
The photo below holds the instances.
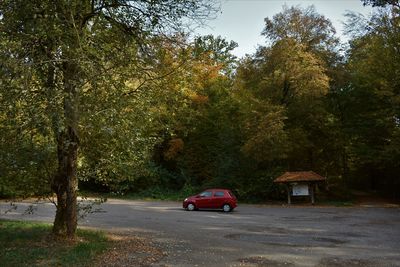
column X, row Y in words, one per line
column 300, row 183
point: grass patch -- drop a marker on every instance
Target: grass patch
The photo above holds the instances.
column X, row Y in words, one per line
column 30, row 244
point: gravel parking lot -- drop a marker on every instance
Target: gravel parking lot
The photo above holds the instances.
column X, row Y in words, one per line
column 251, row 235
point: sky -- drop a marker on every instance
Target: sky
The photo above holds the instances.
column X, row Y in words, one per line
column 243, row 20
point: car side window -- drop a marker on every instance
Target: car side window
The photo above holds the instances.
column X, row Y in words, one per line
column 206, row 194
column 219, row 194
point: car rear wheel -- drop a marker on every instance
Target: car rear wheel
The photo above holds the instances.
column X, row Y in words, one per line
column 191, row 207
column 226, row 208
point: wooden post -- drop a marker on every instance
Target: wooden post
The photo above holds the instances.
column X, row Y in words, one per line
column 288, row 193
column 312, row 193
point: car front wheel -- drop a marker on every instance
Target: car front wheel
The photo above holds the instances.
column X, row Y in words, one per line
column 191, row 207
column 226, row 208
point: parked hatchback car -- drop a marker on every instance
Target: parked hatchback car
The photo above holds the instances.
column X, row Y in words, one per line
column 211, row 199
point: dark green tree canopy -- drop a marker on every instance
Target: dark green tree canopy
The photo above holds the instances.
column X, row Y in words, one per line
column 381, row 3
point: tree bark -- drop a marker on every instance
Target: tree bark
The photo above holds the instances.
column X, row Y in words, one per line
column 65, row 183
column 59, row 187
column 72, row 184
column 58, row 184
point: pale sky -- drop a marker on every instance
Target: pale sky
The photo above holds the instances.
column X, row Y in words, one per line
column 243, row 20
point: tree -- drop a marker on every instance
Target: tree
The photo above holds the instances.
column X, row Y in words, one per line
column 197, row 151
column 285, row 85
column 372, row 102
column 289, row 73
column 381, row 3
column 71, row 48
column 306, row 27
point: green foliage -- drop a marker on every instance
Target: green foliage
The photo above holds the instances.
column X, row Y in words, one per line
column 218, row 50
column 264, row 131
column 78, row 60
column 259, row 187
column 27, row 158
column 337, row 189
column 162, row 193
column 285, row 85
column 291, row 106
column 304, row 26
column 371, row 105
column 381, row 3
column 161, row 116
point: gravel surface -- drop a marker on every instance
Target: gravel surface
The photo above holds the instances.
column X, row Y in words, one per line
column 251, row 235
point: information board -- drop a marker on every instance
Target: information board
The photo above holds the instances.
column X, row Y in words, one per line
column 300, row 190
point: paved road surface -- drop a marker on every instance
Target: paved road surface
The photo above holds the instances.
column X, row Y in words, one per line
column 252, row 235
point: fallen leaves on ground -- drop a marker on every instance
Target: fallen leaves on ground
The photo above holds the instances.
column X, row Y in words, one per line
column 130, row 250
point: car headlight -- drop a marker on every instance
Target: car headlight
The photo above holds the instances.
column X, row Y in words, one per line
column 185, row 199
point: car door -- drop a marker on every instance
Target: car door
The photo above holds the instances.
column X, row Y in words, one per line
column 203, row 200
column 218, row 199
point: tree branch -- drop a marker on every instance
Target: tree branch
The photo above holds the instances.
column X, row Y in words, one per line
column 153, row 79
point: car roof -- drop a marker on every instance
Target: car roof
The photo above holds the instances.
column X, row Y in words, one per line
column 217, row 189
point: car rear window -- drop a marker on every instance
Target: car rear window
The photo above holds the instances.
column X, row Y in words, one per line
column 231, row 194
column 219, row 194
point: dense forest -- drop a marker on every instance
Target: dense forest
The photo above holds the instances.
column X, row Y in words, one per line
column 124, row 100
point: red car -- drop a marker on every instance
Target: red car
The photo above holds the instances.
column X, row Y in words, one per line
column 211, row 199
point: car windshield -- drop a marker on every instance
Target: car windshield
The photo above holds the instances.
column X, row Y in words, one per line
column 206, row 194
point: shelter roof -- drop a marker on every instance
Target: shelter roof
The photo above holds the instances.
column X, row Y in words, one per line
column 308, row 176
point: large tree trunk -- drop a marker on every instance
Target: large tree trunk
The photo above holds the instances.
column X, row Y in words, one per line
column 65, row 183
column 66, row 180
column 59, row 187
column 72, row 183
